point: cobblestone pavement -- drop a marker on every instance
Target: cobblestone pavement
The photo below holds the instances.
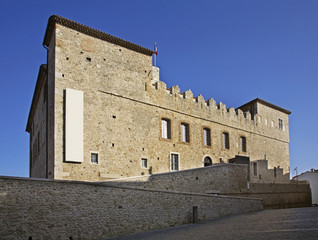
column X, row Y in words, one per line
column 292, row 223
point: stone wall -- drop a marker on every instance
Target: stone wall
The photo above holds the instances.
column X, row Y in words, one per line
column 38, row 134
column 279, row 195
column 225, row 178
column 266, row 175
column 55, row 209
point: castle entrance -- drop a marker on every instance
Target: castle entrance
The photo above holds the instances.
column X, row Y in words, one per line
column 207, row 161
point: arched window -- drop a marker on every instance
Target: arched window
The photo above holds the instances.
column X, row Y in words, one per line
column 207, row 161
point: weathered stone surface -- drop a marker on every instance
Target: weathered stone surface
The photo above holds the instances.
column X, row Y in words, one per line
column 124, row 102
column 52, row 209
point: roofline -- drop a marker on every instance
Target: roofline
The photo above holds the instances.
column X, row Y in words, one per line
column 91, row 32
column 267, row 104
column 36, row 95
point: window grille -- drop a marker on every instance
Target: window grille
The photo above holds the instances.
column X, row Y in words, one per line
column 243, row 144
column 280, row 124
column 174, row 162
column 94, row 158
column 226, row 142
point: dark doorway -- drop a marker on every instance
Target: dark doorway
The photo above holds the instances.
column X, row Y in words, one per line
column 207, row 161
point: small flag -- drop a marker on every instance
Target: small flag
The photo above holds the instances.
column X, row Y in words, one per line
column 156, row 50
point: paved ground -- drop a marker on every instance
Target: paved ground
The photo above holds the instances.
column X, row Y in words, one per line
column 292, row 223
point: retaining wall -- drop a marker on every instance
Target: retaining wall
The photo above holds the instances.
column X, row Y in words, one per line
column 279, row 195
column 55, row 209
column 225, row 178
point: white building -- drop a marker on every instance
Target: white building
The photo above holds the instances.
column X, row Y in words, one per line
column 312, row 178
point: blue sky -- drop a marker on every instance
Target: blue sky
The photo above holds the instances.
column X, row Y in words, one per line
column 231, row 50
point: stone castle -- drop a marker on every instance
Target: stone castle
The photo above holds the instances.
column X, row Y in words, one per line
column 113, row 151
column 100, row 112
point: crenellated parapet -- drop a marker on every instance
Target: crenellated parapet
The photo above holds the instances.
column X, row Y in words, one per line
column 198, row 104
column 186, row 102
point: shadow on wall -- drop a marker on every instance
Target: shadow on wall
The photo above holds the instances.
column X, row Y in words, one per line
column 228, row 179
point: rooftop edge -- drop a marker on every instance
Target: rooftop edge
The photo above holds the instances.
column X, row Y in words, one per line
column 91, row 32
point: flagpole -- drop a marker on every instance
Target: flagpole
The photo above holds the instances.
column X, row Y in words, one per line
column 156, row 53
column 155, row 56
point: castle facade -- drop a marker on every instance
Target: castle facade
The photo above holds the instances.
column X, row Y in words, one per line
column 100, row 112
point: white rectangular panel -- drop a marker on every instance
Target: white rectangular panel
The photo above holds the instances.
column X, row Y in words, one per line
column 73, row 125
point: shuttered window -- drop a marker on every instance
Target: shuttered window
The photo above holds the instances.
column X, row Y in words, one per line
column 185, row 132
column 144, row 162
column 165, row 128
column 243, row 144
column 280, row 124
column 206, row 137
column 226, row 141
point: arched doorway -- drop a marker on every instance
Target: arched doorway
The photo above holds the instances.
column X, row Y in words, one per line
column 207, row 161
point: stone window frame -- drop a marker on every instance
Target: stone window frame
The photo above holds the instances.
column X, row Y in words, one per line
column 170, row 161
column 98, row 158
column 169, row 129
column 206, row 127
column 280, row 124
column 188, row 135
column 225, row 133
column 206, row 155
column 142, row 162
column 241, row 145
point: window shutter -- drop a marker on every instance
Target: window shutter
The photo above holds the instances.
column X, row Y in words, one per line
column 164, row 128
column 183, row 133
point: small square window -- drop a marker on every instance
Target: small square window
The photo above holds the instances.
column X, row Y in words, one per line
column 94, row 158
column 144, row 163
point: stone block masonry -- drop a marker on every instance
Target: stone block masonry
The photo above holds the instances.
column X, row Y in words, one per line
column 130, row 116
column 220, row 178
column 56, row 209
column 225, row 179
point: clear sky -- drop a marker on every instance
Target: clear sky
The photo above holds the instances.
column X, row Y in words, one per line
column 231, row 50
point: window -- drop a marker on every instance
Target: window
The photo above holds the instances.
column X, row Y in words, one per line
column 144, row 162
column 254, row 169
column 94, row 158
column 185, row 133
column 226, row 141
column 280, row 124
column 206, row 137
column 243, row 144
column 174, row 160
column 165, row 128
